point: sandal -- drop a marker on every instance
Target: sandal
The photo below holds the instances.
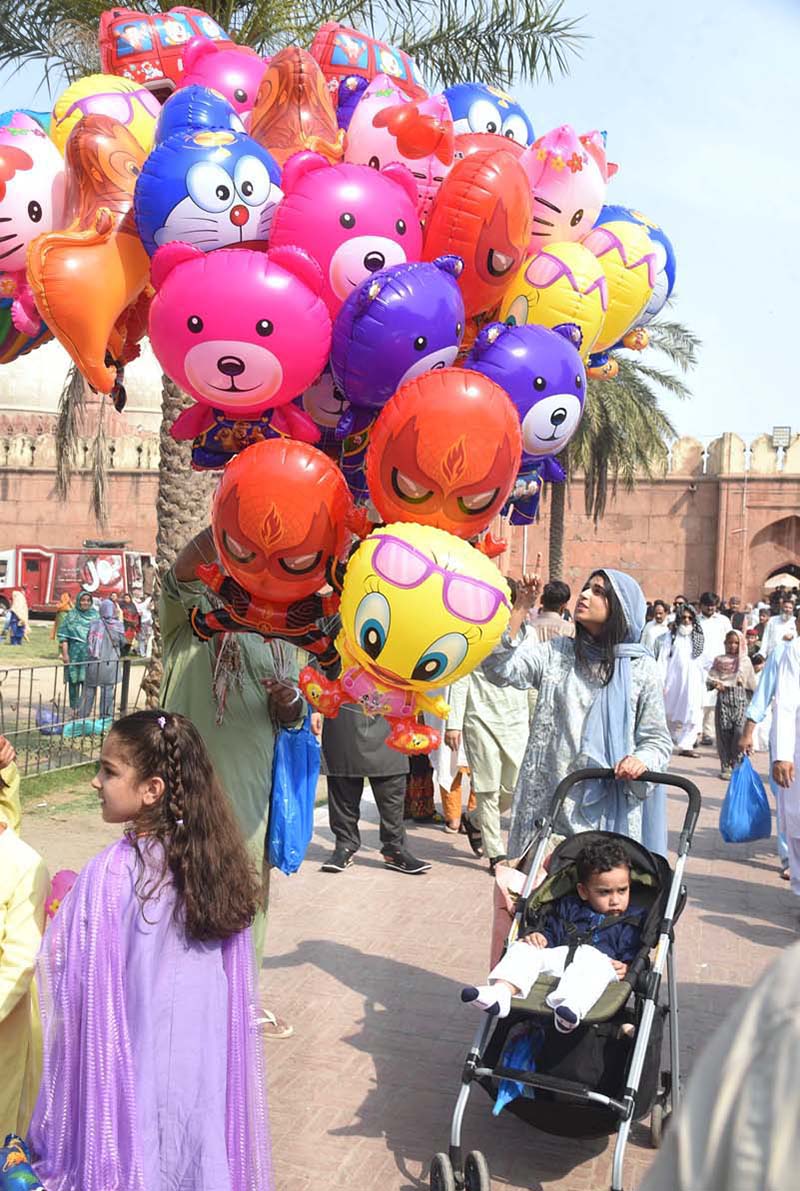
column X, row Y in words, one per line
column 473, row 835
column 271, row 1026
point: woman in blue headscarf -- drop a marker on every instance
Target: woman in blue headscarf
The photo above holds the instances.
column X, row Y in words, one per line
column 600, row 705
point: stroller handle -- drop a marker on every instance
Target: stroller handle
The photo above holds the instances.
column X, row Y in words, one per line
column 657, row 779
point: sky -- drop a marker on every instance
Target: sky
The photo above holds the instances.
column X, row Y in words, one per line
column 698, row 99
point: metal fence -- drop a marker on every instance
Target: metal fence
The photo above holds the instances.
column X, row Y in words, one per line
column 55, row 725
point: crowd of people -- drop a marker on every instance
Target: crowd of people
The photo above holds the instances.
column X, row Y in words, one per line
column 160, row 940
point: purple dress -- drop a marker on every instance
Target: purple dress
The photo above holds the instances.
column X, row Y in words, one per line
column 153, row 1066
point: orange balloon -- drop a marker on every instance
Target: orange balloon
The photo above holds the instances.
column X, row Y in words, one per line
column 482, row 213
column 294, row 109
column 85, row 277
column 466, row 143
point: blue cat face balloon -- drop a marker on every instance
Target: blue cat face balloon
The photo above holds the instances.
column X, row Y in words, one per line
column 211, row 189
column 475, row 107
column 543, row 374
column 193, row 109
column 665, row 256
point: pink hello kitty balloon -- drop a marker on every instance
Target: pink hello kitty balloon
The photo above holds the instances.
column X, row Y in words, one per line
column 31, row 203
column 568, row 176
column 420, row 136
column 241, row 331
column 351, row 219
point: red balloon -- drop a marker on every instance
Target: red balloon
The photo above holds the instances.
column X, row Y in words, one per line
column 445, row 451
column 483, row 214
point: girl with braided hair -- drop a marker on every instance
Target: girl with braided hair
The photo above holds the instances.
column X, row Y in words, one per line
column 153, row 1070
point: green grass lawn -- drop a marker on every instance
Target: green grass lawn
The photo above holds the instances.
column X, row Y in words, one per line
column 37, row 650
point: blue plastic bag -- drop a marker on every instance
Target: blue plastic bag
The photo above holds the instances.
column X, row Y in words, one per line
column 745, row 813
column 295, row 770
column 522, row 1048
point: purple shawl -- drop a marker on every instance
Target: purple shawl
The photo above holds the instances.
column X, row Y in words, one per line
column 153, row 1067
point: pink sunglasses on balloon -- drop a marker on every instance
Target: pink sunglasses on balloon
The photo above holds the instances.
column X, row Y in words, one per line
column 117, row 105
column 404, row 566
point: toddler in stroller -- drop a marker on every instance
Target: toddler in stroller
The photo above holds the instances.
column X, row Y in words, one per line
column 587, row 938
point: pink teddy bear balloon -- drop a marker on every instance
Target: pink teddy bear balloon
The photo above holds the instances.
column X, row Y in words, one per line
column 568, row 176
column 418, row 135
column 234, row 71
column 31, row 203
column 351, row 219
column 241, row 331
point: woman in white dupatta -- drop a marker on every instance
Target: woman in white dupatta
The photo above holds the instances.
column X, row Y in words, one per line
column 681, row 654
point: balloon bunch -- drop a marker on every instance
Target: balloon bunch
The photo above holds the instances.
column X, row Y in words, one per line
column 323, row 253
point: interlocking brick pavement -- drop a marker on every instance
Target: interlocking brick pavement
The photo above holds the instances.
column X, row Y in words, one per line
column 367, row 966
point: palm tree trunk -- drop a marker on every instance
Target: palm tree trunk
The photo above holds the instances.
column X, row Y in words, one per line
column 558, row 497
column 182, row 508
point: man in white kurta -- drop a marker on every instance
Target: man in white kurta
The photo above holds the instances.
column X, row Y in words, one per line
column 779, row 628
column 786, row 752
column 715, row 628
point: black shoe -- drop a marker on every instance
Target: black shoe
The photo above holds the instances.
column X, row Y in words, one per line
column 494, row 861
column 473, row 834
column 341, row 858
column 402, row 861
column 707, row 741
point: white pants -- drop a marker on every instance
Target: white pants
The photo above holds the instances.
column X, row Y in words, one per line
column 582, row 982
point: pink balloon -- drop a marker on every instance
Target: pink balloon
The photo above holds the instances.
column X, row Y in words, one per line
column 234, row 71
column 351, row 219
column 241, row 331
column 424, row 143
column 568, row 176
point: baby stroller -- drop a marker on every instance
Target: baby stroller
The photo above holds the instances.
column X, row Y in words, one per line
column 606, row 1074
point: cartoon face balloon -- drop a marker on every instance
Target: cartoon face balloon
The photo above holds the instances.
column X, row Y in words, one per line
column 196, row 109
column 294, row 109
column 351, row 219
column 564, row 283
column 234, row 71
column 120, row 100
column 444, row 451
column 388, row 126
column 243, row 356
column 279, row 519
column 483, row 214
column 664, row 252
column 419, row 607
column 543, row 375
column 86, row 275
column 626, row 255
column 213, row 189
column 401, row 322
column 568, row 176
column 478, row 108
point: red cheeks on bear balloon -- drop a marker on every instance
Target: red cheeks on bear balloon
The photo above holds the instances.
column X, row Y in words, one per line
column 445, row 452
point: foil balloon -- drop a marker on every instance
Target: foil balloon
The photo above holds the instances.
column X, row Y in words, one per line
column 234, row 71
column 626, row 256
column 196, row 109
column 568, row 176
column 399, row 323
column 31, row 202
column 564, row 283
column 348, row 97
column 326, row 405
column 419, row 609
column 280, row 523
column 483, row 214
column 445, row 451
column 465, row 143
column 343, row 52
column 213, row 189
column 16, row 1166
column 85, row 276
column 150, row 48
column 122, row 101
column 351, row 219
column 476, row 107
column 294, row 109
column 239, row 358
column 388, row 126
column 14, row 343
column 664, row 253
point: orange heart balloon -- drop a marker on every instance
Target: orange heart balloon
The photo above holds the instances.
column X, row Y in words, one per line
column 85, row 276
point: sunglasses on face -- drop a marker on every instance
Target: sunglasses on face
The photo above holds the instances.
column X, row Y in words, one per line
column 468, row 599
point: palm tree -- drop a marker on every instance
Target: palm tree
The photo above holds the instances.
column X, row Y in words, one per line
column 624, row 432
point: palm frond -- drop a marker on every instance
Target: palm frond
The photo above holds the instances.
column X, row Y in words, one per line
column 98, row 502
column 676, row 342
column 70, row 407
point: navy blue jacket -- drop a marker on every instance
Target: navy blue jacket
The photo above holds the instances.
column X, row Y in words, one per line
column 570, row 917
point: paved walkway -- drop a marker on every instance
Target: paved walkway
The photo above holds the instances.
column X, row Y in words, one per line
column 367, row 965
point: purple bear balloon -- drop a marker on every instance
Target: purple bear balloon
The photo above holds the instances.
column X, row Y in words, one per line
column 400, row 322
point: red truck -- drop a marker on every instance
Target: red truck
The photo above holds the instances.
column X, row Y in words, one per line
column 44, row 572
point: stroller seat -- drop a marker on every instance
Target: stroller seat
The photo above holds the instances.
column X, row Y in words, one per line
column 614, row 999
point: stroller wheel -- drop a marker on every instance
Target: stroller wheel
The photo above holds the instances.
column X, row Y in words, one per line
column 476, row 1172
column 656, row 1124
column 442, row 1176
